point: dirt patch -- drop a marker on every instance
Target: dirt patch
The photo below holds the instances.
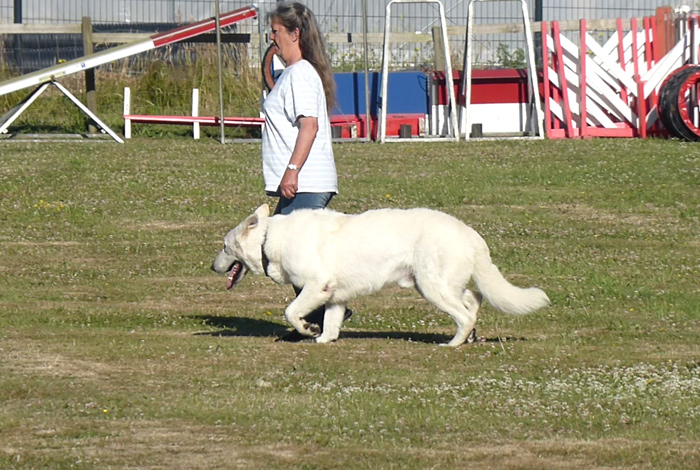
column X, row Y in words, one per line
column 588, row 213
column 44, row 243
column 28, row 359
column 166, row 445
column 163, row 225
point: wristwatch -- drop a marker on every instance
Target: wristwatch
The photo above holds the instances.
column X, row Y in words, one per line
column 292, row 167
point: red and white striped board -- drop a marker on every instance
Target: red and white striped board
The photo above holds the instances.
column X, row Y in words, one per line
column 608, row 90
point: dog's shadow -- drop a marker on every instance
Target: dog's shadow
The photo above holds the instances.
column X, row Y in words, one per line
column 251, row 327
column 241, row 326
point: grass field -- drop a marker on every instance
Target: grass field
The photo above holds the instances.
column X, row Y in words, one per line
column 119, row 348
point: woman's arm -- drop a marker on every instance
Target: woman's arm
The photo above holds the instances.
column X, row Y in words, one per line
column 308, row 128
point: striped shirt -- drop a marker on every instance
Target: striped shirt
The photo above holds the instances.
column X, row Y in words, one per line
column 298, row 92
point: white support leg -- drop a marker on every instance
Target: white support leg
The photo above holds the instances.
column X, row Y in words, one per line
column 15, row 112
column 85, row 109
column 127, row 112
column 195, row 112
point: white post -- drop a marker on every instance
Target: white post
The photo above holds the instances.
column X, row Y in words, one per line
column 538, row 117
column 385, row 76
column 195, row 112
column 448, row 74
column 219, row 72
column 464, row 113
column 127, row 112
column 368, row 115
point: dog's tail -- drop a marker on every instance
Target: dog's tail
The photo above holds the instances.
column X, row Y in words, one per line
column 503, row 295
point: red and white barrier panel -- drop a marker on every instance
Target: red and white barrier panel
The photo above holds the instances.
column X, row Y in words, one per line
column 608, row 90
column 499, row 98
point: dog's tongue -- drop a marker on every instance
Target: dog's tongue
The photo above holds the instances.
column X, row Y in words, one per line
column 235, row 269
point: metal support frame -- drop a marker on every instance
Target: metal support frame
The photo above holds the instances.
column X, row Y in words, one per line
column 15, row 112
column 535, row 116
column 452, row 102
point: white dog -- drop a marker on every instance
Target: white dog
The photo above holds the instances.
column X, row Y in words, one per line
column 335, row 257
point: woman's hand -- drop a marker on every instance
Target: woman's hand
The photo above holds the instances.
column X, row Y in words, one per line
column 290, row 183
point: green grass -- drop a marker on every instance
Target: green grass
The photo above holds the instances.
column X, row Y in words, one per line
column 121, row 349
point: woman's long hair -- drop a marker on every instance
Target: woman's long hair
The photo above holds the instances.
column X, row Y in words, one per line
column 293, row 15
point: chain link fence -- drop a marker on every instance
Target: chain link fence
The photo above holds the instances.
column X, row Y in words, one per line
column 339, row 19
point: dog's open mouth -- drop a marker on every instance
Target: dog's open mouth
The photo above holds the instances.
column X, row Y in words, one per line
column 234, row 274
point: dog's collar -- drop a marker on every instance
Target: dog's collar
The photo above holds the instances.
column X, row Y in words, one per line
column 265, row 259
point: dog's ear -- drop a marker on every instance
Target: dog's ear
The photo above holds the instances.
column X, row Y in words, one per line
column 263, row 211
column 250, row 223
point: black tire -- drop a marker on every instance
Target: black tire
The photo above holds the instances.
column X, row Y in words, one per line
column 669, row 96
column 267, row 72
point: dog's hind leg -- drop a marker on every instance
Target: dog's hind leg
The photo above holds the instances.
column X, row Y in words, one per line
column 331, row 323
column 472, row 300
column 312, row 296
column 450, row 300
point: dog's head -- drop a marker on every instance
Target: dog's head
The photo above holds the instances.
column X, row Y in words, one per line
column 242, row 250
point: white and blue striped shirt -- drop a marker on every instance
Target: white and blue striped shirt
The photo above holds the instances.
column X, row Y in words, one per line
column 298, row 92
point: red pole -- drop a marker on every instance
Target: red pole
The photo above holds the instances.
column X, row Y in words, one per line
column 635, row 46
column 583, row 53
column 621, row 55
column 641, row 108
column 562, row 79
column 545, row 81
column 666, row 30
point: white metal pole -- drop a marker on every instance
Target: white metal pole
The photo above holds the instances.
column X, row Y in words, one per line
column 385, row 75
column 465, row 117
column 127, row 112
column 368, row 115
column 532, row 74
column 261, row 44
column 220, row 72
column 448, row 73
column 195, row 112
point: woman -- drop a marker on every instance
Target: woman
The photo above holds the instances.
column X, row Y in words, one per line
column 298, row 164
